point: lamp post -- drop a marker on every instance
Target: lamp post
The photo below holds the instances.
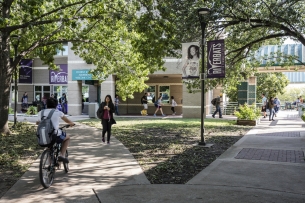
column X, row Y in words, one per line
column 202, row 13
column 15, row 39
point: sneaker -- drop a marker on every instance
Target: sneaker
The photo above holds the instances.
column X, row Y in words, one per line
column 65, row 160
column 163, row 115
column 103, row 139
column 108, row 142
column 173, row 114
column 221, row 117
column 154, row 115
column 213, row 116
column 264, row 116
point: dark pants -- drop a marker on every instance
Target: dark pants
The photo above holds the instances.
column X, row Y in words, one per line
column 271, row 113
column 173, row 109
column 106, row 128
column 116, row 110
column 218, row 109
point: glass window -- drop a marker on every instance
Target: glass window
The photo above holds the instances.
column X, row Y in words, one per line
column 42, row 91
column 85, row 92
column 59, row 90
column 151, row 92
column 164, row 91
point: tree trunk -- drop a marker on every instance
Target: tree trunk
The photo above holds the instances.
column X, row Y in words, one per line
column 5, row 95
column 6, row 70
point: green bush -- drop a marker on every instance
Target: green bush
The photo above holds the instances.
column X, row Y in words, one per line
column 32, row 110
column 247, row 112
column 10, row 110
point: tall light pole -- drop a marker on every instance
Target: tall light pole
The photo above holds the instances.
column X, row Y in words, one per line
column 15, row 39
column 202, row 13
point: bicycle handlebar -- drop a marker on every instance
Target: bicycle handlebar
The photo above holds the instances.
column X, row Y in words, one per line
column 66, row 126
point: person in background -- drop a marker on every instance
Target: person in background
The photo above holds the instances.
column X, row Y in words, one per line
column 64, row 102
column 44, row 101
column 264, row 103
column 106, row 109
column 24, row 101
column 116, row 104
column 145, row 106
column 159, row 106
column 271, row 108
column 83, row 105
column 277, row 106
column 217, row 105
column 174, row 103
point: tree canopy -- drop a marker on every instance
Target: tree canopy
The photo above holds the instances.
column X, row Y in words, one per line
column 246, row 26
column 122, row 37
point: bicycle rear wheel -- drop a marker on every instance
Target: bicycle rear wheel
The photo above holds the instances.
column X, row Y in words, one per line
column 66, row 165
column 46, row 171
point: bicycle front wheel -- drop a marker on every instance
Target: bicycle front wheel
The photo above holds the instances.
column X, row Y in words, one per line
column 46, row 170
column 66, row 165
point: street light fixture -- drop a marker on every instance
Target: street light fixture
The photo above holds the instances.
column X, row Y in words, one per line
column 202, row 13
column 15, row 39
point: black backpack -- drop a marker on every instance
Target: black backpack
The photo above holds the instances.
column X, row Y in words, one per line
column 153, row 100
column 213, row 102
column 142, row 100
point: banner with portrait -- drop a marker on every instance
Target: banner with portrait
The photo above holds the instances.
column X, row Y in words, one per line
column 190, row 60
column 216, row 59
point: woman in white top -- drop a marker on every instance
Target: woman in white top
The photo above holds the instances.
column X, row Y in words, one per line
column 158, row 106
column 174, row 103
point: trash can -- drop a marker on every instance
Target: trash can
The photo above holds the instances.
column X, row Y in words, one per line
column 93, row 107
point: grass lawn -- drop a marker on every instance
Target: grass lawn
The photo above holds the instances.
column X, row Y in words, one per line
column 167, row 150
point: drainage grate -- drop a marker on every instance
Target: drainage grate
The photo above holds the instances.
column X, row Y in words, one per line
column 294, row 156
column 280, row 134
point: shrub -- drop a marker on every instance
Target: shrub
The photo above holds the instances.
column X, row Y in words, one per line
column 248, row 112
column 10, row 110
column 32, row 110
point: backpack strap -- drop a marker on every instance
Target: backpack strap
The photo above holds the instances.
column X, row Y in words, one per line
column 42, row 114
column 51, row 113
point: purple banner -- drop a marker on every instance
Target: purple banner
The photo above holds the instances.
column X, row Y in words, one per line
column 25, row 71
column 216, row 59
column 60, row 76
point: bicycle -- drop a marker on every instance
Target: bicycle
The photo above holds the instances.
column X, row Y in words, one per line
column 49, row 163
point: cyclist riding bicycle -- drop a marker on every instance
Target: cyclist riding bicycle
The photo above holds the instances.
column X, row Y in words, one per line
column 61, row 136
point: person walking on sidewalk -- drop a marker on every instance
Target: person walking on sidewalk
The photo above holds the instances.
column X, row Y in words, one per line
column 277, row 106
column 174, row 103
column 271, row 108
column 264, row 103
column 116, row 104
column 145, row 106
column 106, row 111
column 158, row 105
column 217, row 105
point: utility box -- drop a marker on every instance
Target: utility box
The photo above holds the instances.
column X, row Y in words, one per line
column 93, row 107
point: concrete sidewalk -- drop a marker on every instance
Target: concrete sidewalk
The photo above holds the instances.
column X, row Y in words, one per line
column 266, row 165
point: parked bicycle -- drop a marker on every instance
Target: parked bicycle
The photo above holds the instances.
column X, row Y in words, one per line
column 49, row 163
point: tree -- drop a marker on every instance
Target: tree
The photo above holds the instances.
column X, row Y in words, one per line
column 112, row 34
column 246, row 25
column 270, row 84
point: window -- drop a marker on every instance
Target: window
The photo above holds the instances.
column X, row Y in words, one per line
column 85, row 92
column 41, row 91
column 164, row 91
column 151, row 92
column 59, row 90
column 64, row 52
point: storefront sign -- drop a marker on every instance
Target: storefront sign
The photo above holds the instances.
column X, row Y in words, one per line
column 81, row 74
column 25, row 71
column 60, row 76
column 216, row 59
